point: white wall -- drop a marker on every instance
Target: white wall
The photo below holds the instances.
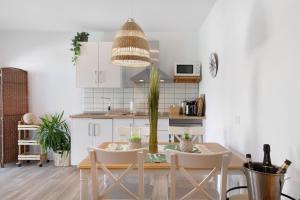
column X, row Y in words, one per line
column 47, row 58
column 255, row 98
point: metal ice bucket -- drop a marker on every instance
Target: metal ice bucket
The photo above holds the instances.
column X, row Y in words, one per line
column 263, row 186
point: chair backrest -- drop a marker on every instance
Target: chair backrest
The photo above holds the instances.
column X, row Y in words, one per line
column 124, row 132
column 196, row 131
column 104, row 157
column 201, row 160
column 213, row 161
column 116, row 157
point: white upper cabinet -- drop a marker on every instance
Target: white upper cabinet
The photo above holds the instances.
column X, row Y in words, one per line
column 110, row 76
column 94, row 68
column 87, row 65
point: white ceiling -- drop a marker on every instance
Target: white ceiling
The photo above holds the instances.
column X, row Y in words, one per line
column 102, row 15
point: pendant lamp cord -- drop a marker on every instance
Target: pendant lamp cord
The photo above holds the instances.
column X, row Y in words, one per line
column 131, row 9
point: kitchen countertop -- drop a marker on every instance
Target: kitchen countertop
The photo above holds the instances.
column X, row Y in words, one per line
column 112, row 115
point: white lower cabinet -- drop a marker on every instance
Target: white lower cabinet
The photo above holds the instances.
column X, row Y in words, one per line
column 119, row 123
column 162, row 128
column 88, row 132
column 92, row 132
column 163, row 136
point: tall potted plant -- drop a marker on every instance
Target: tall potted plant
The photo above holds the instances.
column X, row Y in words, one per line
column 53, row 134
column 153, row 99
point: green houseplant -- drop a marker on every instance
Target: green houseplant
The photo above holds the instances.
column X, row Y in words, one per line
column 79, row 37
column 153, row 99
column 186, row 143
column 135, row 142
column 53, row 134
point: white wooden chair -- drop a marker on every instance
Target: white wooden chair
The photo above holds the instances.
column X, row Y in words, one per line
column 189, row 161
column 196, row 132
column 125, row 131
column 102, row 157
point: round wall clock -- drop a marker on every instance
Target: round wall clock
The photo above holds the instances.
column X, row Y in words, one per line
column 213, row 64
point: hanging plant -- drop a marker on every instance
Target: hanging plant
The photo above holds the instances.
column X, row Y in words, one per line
column 153, row 99
column 79, row 37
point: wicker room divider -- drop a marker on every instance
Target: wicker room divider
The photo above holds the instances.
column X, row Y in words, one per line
column 13, row 105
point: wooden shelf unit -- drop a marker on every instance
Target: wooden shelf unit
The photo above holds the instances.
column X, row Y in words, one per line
column 24, row 143
column 187, row 79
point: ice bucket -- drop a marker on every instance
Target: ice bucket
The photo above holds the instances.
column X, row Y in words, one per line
column 263, row 186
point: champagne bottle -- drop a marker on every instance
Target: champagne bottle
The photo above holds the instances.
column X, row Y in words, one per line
column 267, row 164
column 249, row 161
column 283, row 168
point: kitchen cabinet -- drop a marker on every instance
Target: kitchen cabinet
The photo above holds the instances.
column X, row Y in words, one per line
column 87, row 65
column 110, row 76
column 88, row 132
column 162, row 128
column 118, row 123
column 94, row 68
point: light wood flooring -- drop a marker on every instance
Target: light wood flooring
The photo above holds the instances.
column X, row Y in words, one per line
column 31, row 182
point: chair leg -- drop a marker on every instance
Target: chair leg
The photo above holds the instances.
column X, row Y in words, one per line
column 173, row 178
column 141, row 175
column 105, row 181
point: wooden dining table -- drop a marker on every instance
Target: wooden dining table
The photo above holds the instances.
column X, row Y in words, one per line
column 158, row 170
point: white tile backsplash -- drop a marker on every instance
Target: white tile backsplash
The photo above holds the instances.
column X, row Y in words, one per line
column 170, row 93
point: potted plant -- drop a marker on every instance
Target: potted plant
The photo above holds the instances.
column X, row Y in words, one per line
column 153, row 99
column 186, row 143
column 53, row 134
column 135, row 142
column 79, row 37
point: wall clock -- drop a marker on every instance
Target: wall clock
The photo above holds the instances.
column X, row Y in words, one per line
column 213, row 64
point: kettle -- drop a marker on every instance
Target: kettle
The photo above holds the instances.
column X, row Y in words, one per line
column 182, row 107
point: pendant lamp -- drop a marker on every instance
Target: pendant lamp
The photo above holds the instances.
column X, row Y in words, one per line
column 130, row 47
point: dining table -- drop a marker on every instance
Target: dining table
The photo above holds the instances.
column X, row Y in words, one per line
column 157, row 169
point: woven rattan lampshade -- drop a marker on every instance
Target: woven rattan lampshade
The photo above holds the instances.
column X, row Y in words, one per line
column 130, row 47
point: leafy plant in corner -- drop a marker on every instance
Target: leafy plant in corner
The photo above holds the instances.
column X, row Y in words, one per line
column 53, row 134
column 79, row 37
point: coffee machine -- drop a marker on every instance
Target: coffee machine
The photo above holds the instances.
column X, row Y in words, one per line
column 191, row 108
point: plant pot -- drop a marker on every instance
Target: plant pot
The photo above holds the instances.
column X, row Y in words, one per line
column 186, row 145
column 61, row 158
column 134, row 145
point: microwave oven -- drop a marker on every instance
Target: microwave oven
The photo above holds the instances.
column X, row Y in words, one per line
column 187, row 70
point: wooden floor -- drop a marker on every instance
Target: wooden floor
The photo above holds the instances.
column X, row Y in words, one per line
column 31, row 182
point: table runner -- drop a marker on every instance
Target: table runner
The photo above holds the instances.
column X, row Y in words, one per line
column 160, row 157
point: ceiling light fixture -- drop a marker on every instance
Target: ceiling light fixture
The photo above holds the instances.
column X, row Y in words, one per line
column 130, row 46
